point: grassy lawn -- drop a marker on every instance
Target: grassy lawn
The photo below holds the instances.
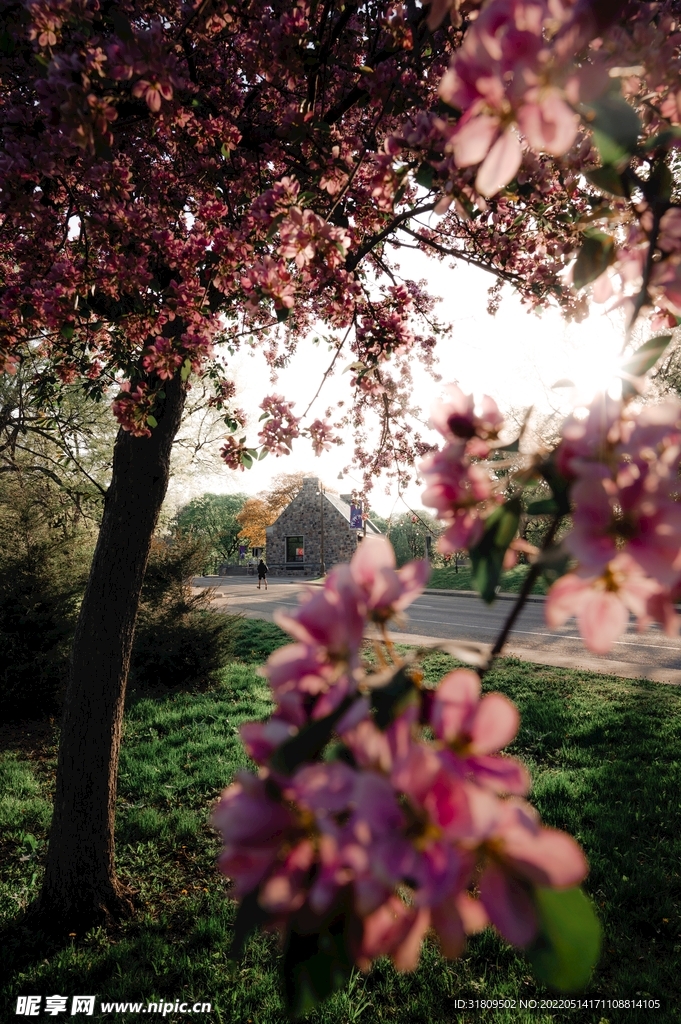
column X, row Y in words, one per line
column 446, row 578
column 604, row 754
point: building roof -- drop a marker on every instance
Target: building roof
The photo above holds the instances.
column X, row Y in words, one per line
column 343, row 507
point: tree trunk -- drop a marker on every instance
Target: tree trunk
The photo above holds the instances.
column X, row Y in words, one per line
column 80, row 888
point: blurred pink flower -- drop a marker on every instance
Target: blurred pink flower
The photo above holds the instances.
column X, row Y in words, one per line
column 602, row 603
column 387, row 589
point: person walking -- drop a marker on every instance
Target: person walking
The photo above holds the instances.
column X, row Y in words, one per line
column 262, row 573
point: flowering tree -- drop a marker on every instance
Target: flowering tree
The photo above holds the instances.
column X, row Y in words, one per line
column 175, row 175
column 381, row 808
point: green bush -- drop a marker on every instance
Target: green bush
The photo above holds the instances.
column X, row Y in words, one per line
column 179, row 640
column 40, row 590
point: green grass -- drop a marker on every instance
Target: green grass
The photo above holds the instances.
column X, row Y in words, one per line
column 446, row 578
column 604, row 754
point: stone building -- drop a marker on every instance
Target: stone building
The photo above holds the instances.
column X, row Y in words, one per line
column 314, row 529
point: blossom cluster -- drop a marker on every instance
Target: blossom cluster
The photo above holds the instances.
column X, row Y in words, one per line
column 458, row 486
column 132, row 408
column 502, row 77
column 623, row 467
column 280, row 426
column 405, row 818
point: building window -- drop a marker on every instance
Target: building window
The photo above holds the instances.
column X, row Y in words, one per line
column 295, row 549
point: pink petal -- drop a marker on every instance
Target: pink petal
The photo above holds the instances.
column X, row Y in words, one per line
column 405, row 955
column 473, row 139
column 509, row 904
column 495, row 724
column 455, row 702
column 602, row 620
column 449, row 929
column 548, row 857
column 549, row 126
column 500, row 165
column 373, row 554
column 500, row 774
column 564, row 600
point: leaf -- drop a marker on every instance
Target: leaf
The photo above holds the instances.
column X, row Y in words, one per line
column 249, row 917
column 545, row 507
column 67, row 331
column 390, row 700
column 186, row 369
column 246, row 460
column 263, row 453
column 564, row 382
column 645, row 357
column 595, row 256
column 566, row 949
column 616, row 128
column 122, row 26
column 558, row 484
column 487, row 556
column 607, row 179
column 309, row 742
column 283, row 313
column 152, row 421
column 424, row 176
column 315, row 966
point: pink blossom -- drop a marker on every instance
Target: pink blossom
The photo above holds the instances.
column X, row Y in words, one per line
column 153, row 92
column 602, row 603
column 475, row 728
column 332, row 618
column 523, row 854
column 460, row 418
column 388, row 590
column 253, row 827
column 280, row 428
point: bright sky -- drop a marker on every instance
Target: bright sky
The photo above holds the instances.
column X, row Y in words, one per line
column 515, row 356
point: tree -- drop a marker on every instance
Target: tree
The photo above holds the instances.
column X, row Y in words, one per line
column 412, row 534
column 259, row 513
column 178, row 176
column 214, row 517
column 254, row 518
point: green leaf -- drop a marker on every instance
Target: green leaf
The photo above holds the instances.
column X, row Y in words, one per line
column 661, row 182
column 545, row 507
column 316, row 965
column 558, row 484
column 186, row 369
column 67, row 331
column 249, row 917
column 595, row 256
column 225, row 150
column 246, row 460
column 309, row 742
column 152, row 421
column 645, row 357
column 283, row 313
column 607, row 179
column 616, row 128
column 390, row 700
column 263, row 453
column 487, row 556
column 566, row 949
column 424, row 176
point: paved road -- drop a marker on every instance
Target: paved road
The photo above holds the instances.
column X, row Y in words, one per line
column 452, row 616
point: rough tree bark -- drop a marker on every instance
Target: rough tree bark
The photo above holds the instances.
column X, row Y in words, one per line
column 80, row 888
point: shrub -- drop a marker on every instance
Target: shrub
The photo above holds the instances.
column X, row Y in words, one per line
column 179, row 640
column 40, row 590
